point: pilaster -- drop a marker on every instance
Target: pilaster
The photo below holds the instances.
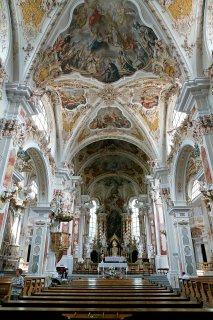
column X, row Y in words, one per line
column 184, row 239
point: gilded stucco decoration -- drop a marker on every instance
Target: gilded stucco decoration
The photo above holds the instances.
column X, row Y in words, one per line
column 110, row 118
column 192, row 129
column 180, row 8
column 180, row 12
column 150, row 117
column 194, row 163
column 3, row 77
column 69, row 120
column 33, row 14
column 110, row 132
column 108, row 94
column 147, row 92
column 182, row 15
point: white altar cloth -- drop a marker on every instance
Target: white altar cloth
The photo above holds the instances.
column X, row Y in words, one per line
column 114, row 259
column 105, row 265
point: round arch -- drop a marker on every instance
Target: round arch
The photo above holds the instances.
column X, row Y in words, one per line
column 42, row 171
column 179, row 171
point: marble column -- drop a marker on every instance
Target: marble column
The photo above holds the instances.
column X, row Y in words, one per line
column 184, row 239
column 39, row 242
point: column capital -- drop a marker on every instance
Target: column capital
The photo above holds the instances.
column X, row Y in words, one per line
column 194, row 92
column 43, row 212
column 180, row 212
column 22, row 94
column 161, row 173
column 149, row 179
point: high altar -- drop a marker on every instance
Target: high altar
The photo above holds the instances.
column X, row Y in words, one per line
column 115, row 244
column 116, row 264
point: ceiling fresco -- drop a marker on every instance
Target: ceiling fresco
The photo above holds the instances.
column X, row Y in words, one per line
column 112, row 162
column 141, row 97
column 110, row 146
column 106, row 40
column 110, row 118
column 112, row 165
column 71, row 98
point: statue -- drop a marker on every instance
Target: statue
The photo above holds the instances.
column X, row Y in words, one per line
column 114, row 248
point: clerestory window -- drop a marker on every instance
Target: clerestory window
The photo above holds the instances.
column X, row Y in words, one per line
column 40, row 119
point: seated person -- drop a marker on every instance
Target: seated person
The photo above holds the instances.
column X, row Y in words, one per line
column 184, row 278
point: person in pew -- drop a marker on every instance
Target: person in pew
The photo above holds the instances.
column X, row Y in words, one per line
column 185, row 277
column 17, row 284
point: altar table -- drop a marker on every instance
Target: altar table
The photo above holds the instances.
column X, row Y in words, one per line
column 116, row 265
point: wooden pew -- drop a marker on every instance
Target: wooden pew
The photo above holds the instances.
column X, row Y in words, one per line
column 100, row 296
column 113, row 294
column 5, row 287
column 33, row 284
column 199, row 289
column 104, row 304
column 58, row 313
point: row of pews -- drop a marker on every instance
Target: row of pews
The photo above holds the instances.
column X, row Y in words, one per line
column 100, row 299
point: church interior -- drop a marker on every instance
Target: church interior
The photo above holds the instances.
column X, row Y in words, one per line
column 106, row 156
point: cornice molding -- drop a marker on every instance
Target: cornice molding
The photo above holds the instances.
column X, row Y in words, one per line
column 194, row 92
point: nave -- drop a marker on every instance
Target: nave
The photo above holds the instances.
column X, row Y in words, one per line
column 99, row 298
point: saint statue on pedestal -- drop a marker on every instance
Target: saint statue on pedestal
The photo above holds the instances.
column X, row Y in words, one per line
column 114, row 248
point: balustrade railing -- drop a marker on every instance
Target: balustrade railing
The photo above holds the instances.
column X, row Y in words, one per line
column 204, row 266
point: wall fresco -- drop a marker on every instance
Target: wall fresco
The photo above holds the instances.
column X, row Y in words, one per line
column 10, row 167
column 206, row 167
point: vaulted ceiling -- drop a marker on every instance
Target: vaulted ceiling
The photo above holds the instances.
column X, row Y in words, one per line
column 110, row 71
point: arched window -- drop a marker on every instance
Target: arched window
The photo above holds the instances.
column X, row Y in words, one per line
column 40, row 119
column 195, row 189
column 93, row 220
column 135, row 220
column 177, row 119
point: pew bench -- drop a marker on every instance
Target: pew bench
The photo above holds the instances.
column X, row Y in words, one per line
column 106, row 298
column 199, row 289
column 33, row 284
column 5, row 288
column 113, row 294
column 111, row 290
column 104, row 304
column 58, row 313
